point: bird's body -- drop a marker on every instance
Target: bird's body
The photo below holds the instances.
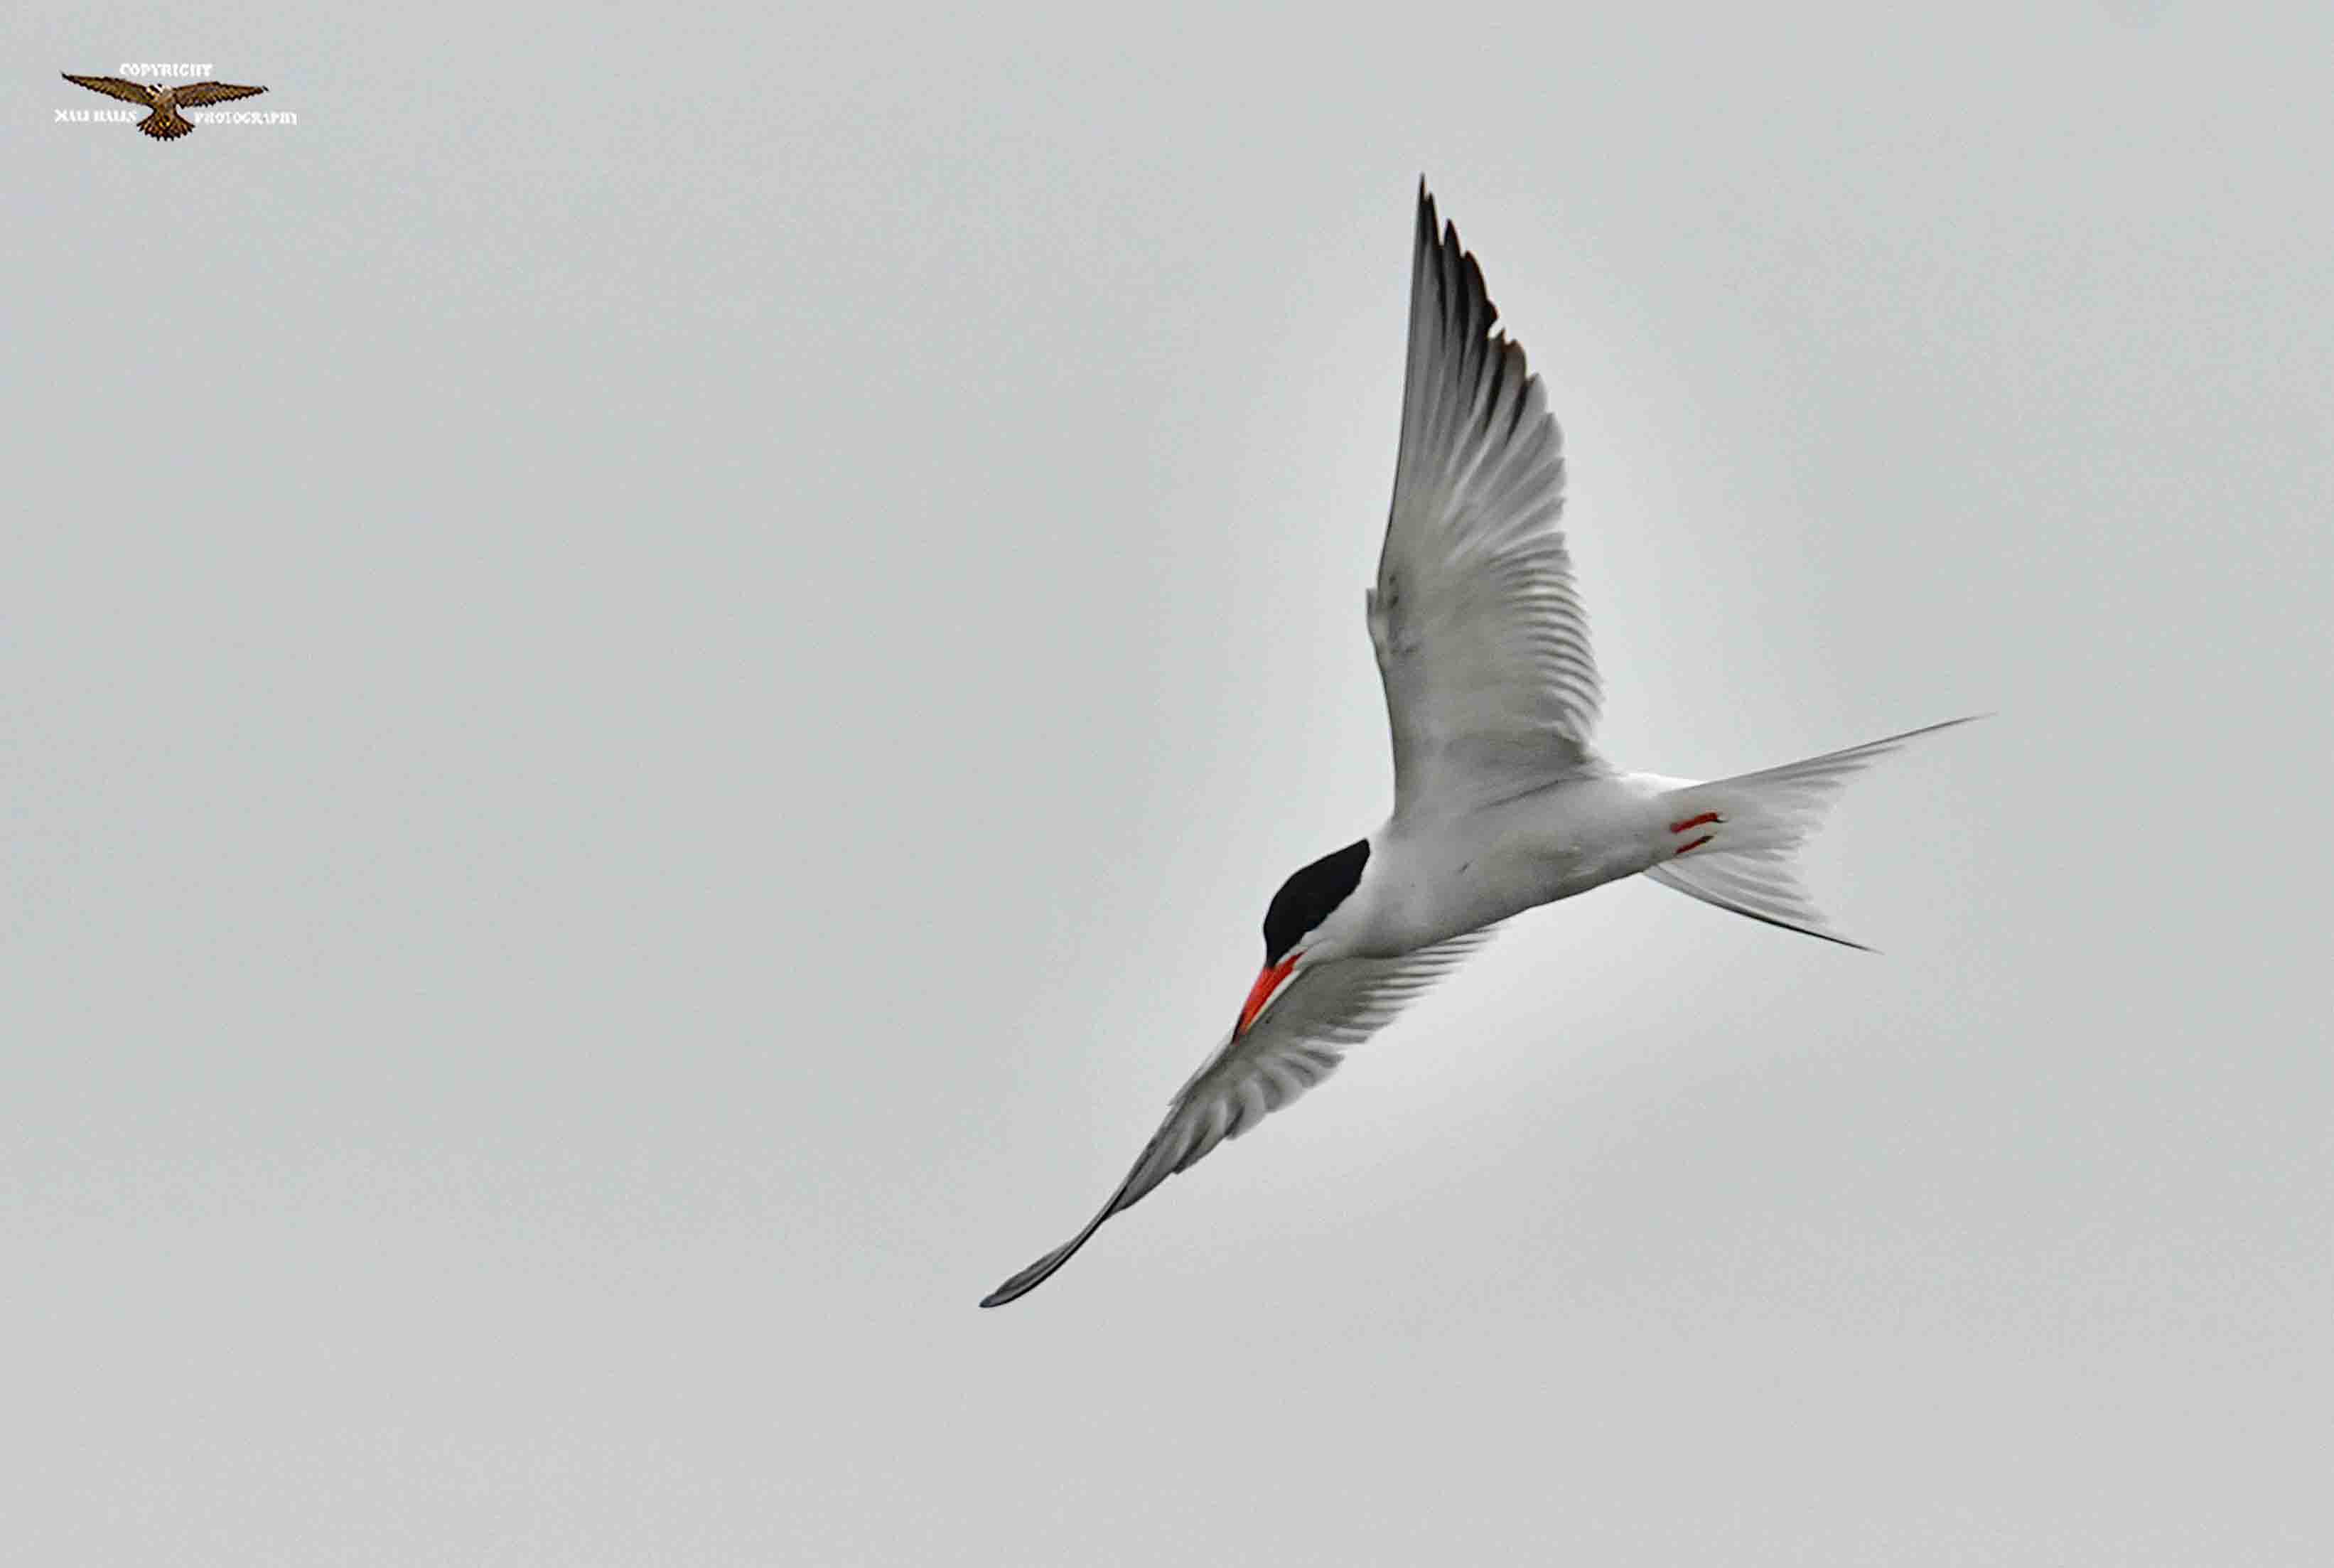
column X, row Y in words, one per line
column 165, row 123
column 1432, row 876
column 1503, row 802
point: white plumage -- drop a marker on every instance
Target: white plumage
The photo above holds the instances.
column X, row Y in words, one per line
column 1501, row 800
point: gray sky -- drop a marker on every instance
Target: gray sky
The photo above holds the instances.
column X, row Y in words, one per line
column 656, row 670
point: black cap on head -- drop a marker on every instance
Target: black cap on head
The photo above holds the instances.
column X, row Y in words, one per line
column 1305, row 899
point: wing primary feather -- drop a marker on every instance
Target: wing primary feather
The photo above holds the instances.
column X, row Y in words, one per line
column 202, row 95
column 1492, row 687
column 114, row 87
column 1295, row 1044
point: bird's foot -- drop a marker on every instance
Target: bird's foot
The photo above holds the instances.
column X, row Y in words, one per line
column 1706, row 818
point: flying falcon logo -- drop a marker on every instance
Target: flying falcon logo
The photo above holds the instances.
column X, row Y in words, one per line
column 165, row 123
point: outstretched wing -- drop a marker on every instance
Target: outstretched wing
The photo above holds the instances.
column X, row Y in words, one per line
column 114, row 87
column 1298, row 1040
column 195, row 95
column 1490, row 685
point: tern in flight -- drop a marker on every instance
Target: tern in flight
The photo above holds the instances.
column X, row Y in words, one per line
column 1502, row 801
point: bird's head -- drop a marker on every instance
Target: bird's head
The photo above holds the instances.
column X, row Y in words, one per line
column 1311, row 921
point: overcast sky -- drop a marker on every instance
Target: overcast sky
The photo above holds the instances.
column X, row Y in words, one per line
column 654, row 671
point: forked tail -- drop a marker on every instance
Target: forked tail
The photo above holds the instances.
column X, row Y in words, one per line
column 1733, row 840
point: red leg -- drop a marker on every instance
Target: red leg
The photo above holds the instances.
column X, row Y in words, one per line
column 1695, row 845
column 1695, row 821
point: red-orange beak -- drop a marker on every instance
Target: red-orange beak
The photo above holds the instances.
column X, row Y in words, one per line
column 1268, row 980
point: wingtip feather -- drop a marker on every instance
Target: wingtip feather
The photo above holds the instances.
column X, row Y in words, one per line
column 1039, row 1272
